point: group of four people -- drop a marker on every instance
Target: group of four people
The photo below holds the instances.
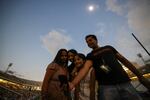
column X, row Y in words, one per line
column 102, row 64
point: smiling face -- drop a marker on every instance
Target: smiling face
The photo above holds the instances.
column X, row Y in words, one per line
column 78, row 61
column 64, row 56
column 91, row 42
column 71, row 56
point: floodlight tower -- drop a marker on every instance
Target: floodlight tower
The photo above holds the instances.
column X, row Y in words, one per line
column 10, row 64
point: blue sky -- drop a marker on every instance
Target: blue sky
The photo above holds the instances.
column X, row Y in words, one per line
column 32, row 31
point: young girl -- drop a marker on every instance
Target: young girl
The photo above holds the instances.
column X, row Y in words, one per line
column 71, row 55
column 86, row 89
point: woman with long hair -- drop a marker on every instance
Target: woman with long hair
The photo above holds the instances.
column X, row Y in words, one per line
column 55, row 83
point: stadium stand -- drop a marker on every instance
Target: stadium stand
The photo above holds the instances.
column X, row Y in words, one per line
column 15, row 88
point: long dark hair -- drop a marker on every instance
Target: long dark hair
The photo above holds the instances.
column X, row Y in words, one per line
column 57, row 58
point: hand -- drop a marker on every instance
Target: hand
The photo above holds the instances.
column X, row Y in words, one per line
column 145, row 82
column 71, row 86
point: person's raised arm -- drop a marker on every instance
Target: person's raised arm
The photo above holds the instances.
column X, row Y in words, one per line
column 131, row 67
column 81, row 74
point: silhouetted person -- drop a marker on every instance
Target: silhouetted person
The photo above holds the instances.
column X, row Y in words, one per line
column 114, row 83
column 71, row 55
column 55, row 84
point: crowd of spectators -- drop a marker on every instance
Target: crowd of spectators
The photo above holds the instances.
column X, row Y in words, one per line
column 15, row 88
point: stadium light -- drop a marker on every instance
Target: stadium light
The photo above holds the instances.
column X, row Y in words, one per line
column 10, row 64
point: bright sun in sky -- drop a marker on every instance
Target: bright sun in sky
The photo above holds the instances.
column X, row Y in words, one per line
column 91, row 8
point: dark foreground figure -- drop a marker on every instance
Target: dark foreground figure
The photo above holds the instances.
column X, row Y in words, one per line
column 113, row 81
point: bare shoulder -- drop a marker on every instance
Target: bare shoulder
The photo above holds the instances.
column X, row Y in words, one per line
column 52, row 66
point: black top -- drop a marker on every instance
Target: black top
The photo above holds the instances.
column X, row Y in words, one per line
column 115, row 73
column 70, row 69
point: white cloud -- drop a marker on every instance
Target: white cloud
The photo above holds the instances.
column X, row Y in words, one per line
column 138, row 16
column 138, row 20
column 55, row 40
column 114, row 6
